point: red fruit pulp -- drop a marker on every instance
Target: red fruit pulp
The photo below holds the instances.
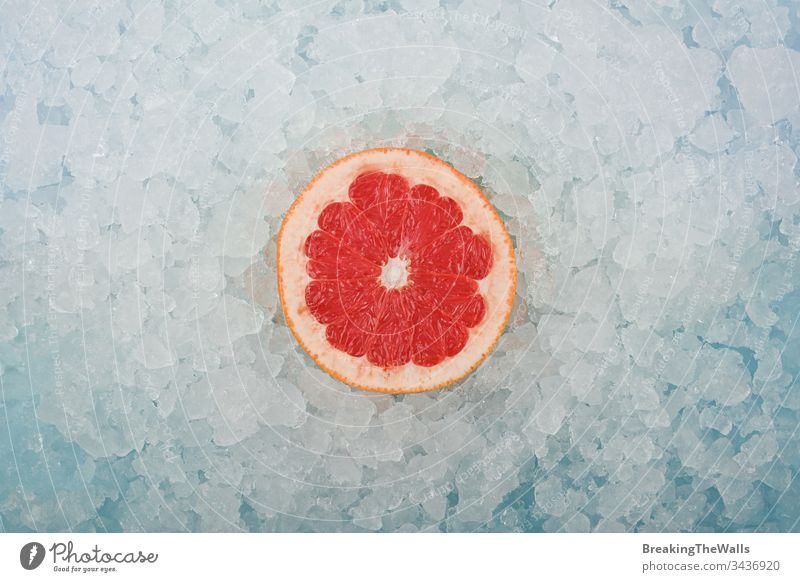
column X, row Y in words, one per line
column 394, row 273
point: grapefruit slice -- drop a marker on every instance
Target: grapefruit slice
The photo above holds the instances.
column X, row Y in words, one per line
column 395, row 272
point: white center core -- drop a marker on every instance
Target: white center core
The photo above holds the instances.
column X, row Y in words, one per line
column 395, row 273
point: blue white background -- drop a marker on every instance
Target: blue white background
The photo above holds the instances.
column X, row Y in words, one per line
column 643, row 155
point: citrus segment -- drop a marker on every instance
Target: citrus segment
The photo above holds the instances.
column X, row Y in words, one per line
column 395, row 272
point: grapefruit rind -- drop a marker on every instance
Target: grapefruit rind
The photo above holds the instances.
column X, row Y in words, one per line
column 498, row 288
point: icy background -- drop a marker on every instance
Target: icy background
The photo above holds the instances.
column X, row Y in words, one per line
column 644, row 156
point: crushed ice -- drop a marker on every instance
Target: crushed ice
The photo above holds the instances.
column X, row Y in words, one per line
column 643, row 155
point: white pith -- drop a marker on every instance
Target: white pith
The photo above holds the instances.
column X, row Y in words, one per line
column 497, row 288
column 394, row 273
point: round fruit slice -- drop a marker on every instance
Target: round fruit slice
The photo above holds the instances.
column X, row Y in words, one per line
column 395, row 272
